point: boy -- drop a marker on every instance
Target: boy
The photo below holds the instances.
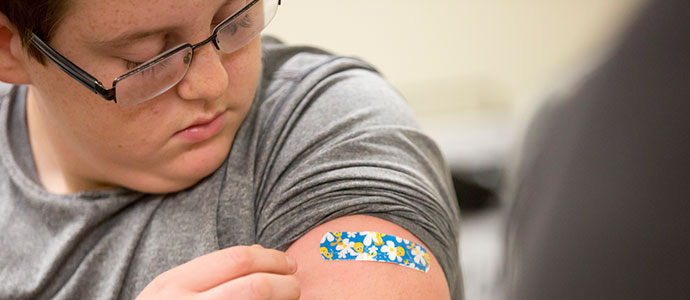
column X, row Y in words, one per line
column 147, row 142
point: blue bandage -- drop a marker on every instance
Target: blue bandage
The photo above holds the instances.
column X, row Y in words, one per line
column 372, row 246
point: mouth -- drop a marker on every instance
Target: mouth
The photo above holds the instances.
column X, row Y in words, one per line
column 203, row 128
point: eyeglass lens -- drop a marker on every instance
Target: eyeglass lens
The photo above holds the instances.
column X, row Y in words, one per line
column 153, row 80
column 169, row 69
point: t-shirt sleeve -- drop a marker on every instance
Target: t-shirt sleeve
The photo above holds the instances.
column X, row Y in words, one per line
column 351, row 147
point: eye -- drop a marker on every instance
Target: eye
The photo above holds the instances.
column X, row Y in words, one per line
column 132, row 64
column 161, row 67
column 138, row 53
column 138, row 60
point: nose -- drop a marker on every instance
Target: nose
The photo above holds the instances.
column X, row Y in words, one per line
column 206, row 78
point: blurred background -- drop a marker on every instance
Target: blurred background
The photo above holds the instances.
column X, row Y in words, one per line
column 473, row 72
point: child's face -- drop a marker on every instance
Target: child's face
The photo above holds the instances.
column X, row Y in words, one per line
column 142, row 147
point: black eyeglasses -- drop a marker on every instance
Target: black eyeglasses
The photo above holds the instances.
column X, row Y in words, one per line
column 159, row 74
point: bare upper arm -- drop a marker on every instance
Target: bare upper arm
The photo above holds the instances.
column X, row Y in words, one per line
column 337, row 279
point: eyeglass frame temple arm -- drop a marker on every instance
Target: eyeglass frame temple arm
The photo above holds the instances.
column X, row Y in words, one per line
column 73, row 70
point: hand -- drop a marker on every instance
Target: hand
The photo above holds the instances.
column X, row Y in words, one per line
column 239, row 272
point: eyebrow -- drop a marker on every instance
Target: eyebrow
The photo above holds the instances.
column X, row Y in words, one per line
column 127, row 37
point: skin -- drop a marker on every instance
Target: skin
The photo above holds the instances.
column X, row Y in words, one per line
column 81, row 142
column 239, row 272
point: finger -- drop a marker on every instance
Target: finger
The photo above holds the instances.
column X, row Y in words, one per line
column 210, row 270
column 256, row 286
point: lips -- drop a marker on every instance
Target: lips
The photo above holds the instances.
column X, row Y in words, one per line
column 202, row 129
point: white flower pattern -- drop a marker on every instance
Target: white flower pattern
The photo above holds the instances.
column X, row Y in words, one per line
column 372, row 246
column 418, row 255
column 389, row 249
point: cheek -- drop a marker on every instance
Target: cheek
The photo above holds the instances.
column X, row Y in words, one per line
column 90, row 123
column 69, row 107
column 134, row 135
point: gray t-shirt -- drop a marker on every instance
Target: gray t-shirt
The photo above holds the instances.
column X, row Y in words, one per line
column 326, row 137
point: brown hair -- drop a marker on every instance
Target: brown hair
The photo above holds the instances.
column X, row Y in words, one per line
column 41, row 17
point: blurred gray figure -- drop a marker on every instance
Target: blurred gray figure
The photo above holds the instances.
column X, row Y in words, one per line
column 602, row 207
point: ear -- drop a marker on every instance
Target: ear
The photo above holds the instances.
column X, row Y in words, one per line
column 12, row 55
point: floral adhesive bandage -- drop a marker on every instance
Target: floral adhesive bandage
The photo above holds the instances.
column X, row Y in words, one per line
column 373, row 246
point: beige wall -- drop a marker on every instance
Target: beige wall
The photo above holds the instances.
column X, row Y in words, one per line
column 458, row 56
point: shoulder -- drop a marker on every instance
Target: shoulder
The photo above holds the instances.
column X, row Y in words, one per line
column 309, row 89
column 296, row 61
column 319, row 108
column 300, row 74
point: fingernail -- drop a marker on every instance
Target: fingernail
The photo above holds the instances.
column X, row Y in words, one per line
column 291, row 263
